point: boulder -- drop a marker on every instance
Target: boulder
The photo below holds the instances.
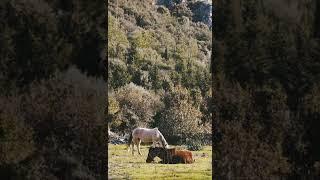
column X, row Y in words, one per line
column 116, row 139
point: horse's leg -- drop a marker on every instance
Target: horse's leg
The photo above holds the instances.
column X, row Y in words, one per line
column 129, row 146
column 132, row 143
column 139, row 146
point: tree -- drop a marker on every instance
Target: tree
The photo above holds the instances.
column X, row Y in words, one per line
column 179, row 117
column 155, row 78
column 117, row 39
column 137, row 103
column 143, row 39
column 118, row 73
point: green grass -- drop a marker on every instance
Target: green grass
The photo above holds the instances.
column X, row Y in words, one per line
column 122, row 165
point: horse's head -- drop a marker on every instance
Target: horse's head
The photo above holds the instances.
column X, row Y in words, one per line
column 155, row 152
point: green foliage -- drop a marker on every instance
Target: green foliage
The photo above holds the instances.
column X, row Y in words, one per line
column 143, row 39
column 244, row 148
column 118, row 74
column 113, row 105
column 179, row 117
column 182, row 10
column 137, row 106
column 51, row 120
column 155, row 78
column 65, row 116
column 168, row 61
column 266, row 89
column 202, row 78
column 187, row 49
column 146, row 56
column 194, row 143
column 40, row 37
column 117, row 39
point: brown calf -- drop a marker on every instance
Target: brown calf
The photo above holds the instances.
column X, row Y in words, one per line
column 170, row 156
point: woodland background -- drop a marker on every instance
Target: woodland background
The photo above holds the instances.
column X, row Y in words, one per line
column 53, row 89
column 266, row 89
column 159, row 55
column 265, row 85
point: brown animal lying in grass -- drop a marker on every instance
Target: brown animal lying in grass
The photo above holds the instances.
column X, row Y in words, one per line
column 170, row 156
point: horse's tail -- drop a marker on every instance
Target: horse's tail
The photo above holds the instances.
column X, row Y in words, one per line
column 130, row 139
column 129, row 142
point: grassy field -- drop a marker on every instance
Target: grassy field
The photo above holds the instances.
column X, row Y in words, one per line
column 122, row 165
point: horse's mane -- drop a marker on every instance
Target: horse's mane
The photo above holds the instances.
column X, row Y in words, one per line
column 163, row 140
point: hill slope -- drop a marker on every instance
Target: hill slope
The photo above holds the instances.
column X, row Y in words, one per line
column 164, row 51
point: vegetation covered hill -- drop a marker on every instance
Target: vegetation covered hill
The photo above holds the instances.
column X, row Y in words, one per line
column 159, row 56
column 266, row 84
column 52, row 92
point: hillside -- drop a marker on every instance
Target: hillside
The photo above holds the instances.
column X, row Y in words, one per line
column 159, row 54
column 266, row 84
column 52, row 89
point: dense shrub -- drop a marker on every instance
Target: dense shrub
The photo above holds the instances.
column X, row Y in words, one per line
column 272, row 102
column 179, row 117
column 66, row 122
column 182, row 10
column 195, row 142
column 51, row 121
column 41, row 37
column 137, row 104
column 244, row 154
column 118, row 73
column 166, row 49
column 117, row 39
column 146, row 56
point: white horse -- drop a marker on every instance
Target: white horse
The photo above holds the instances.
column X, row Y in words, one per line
column 146, row 135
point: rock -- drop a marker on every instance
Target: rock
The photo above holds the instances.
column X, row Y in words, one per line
column 116, row 139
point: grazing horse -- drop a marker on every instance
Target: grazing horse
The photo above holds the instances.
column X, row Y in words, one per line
column 170, row 156
column 145, row 135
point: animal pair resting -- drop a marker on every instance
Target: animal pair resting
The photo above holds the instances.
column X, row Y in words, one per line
column 170, row 156
column 167, row 155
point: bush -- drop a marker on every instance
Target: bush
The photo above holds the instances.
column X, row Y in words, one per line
column 137, row 105
column 118, row 74
column 143, row 39
column 182, row 10
column 242, row 153
column 117, row 39
column 65, row 116
column 179, row 117
column 148, row 56
column 194, row 143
